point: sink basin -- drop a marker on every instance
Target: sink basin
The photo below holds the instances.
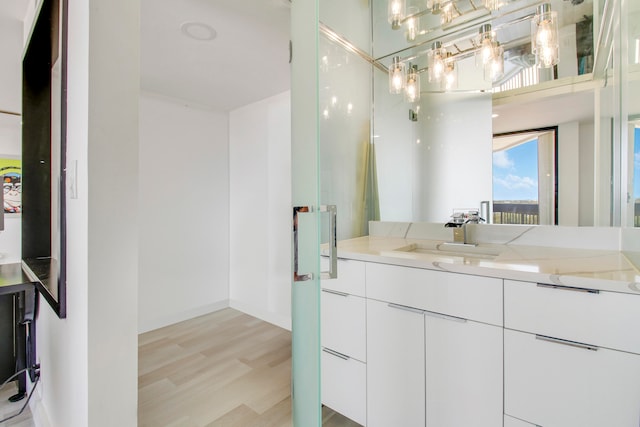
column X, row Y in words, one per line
column 452, row 250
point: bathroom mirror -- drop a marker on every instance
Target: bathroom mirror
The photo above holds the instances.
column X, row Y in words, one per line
column 439, row 151
column 436, row 154
column 44, row 154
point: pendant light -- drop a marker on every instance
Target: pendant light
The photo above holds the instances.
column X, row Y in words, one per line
column 396, row 13
column 544, row 36
column 436, row 63
column 412, row 88
column 412, row 24
column 397, row 76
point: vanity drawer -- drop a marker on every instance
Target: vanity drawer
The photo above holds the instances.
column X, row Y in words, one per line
column 343, row 324
column 605, row 319
column 460, row 295
column 350, row 278
column 344, row 386
column 549, row 383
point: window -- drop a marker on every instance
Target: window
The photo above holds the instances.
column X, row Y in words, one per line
column 524, row 178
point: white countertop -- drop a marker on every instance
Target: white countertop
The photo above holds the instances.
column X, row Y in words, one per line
column 606, row 270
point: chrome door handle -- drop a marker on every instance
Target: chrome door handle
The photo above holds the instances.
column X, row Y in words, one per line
column 331, row 291
column 297, row 277
column 336, row 354
column 405, row 308
column 446, row 317
column 333, row 242
column 568, row 288
column 566, row 342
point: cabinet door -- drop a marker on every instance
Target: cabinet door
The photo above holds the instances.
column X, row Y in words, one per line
column 463, row 372
column 555, row 384
column 395, row 366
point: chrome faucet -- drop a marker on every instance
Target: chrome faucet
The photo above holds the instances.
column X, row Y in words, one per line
column 459, row 221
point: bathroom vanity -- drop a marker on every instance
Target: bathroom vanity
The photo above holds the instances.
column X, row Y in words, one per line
column 510, row 332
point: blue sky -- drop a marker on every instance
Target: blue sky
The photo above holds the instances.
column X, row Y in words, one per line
column 515, row 173
column 636, row 165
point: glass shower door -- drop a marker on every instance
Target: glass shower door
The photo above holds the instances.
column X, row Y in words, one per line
column 332, row 169
column 305, row 291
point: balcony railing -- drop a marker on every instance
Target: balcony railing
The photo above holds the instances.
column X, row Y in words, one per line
column 528, row 213
column 516, row 213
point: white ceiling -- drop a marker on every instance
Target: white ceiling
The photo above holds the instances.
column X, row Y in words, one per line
column 246, row 62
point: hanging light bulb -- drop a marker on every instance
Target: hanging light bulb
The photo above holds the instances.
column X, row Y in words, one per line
column 412, row 88
column 436, row 64
column 446, row 16
column 493, row 4
column 450, row 79
column 396, row 76
column 544, row 36
column 396, row 13
column 435, row 6
column 412, row 24
column 494, row 69
column 487, row 43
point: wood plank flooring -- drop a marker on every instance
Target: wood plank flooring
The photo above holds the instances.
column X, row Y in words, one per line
column 8, row 408
column 225, row 369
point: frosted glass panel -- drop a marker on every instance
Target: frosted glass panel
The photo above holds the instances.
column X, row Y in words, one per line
column 345, row 110
column 305, row 309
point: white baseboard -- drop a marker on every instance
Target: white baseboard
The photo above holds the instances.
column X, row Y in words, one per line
column 162, row 321
column 38, row 412
column 273, row 318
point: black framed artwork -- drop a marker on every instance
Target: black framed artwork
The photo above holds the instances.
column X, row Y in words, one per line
column 44, row 146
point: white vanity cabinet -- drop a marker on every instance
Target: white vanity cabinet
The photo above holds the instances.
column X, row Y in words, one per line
column 433, row 368
column 395, row 365
column 463, row 372
column 343, row 338
column 570, row 356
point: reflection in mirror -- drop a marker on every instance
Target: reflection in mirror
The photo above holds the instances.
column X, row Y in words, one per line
column 433, row 152
column 524, row 178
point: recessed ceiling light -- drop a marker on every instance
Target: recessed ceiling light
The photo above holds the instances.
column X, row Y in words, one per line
column 198, row 31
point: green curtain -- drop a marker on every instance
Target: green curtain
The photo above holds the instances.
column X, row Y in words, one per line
column 370, row 196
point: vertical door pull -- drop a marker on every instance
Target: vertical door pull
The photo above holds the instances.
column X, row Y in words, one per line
column 297, row 277
column 333, row 242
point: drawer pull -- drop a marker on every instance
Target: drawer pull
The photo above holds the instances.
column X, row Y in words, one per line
column 566, row 342
column 446, row 317
column 405, row 308
column 336, row 354
column 329, row 291
column 568, row 288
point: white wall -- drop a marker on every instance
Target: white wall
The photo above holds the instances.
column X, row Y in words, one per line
column 260, row 209
column 11, row 65
column 184, row 211
column 568, row 173
column 89, row 359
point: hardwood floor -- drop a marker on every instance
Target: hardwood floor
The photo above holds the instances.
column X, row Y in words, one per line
column 225, row 369
column 8, row 409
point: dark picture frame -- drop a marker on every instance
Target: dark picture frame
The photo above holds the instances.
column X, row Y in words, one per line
column 44, row 149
